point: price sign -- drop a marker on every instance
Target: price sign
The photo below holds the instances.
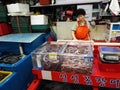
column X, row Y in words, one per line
column 86, row 79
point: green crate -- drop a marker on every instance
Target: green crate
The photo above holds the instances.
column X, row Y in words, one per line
column 22, row 30
column 24, row 21
column 3, row 8
column 3, row 14
column 4, row 19
column 21, row 25
column 40, row 27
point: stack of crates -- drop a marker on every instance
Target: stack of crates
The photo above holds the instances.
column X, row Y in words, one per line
column 20, row 22
column 23, row 66
column 3, row 14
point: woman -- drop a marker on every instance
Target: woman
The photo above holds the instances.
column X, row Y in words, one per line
column 80, row 30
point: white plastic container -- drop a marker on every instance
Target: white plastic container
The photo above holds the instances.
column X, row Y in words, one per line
column 18, row 7
column 39, row 19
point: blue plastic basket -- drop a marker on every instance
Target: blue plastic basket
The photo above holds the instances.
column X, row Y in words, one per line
column 23, row 68
column 15, row 82
column 29, row 47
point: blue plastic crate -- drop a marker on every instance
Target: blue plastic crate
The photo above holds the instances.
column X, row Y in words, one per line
column 15, row 82
column 24, row 71
column 29, row 47
column 8, row 83
column 29, row 42
column 23, row 68
column 9, row 47
column 21, row 65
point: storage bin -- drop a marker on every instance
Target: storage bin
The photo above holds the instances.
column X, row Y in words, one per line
column 29, row 42
column 44, row 2
column 4, row 75
column 19, row 65
column 29, row 47
column 39, row 19
column 8, row 81
column 22, row 71
column 65, row 56
column 23, row 67
column 18, row 7
column 14, row 81
column 9, row 47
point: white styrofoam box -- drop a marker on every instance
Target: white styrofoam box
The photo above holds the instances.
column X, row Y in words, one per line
column 39, row 19
column 18, row 7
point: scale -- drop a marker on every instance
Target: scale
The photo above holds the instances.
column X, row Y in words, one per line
column 109, row 54
column 110, row 58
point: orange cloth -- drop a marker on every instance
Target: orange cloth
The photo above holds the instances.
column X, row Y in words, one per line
column 81, row 32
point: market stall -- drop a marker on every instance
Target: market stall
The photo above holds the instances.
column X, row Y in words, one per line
column 95, row 73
